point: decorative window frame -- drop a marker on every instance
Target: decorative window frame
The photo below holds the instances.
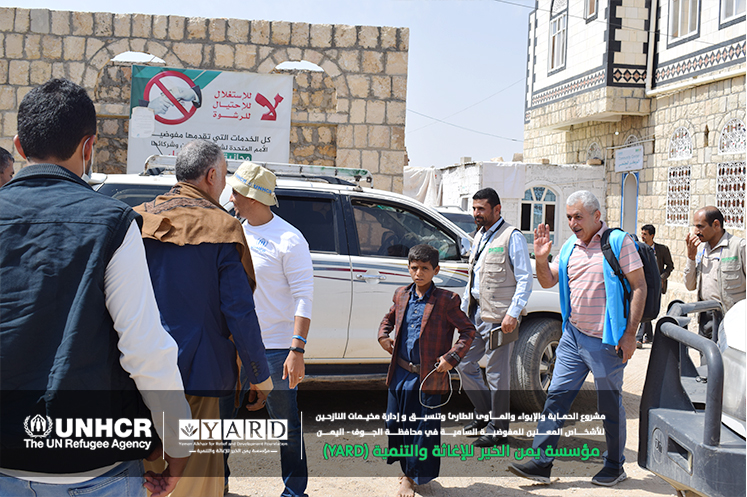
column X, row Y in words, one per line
column 594, row 151
column 678, row 196
column 734, row 133
column 691, row 35
column 558, row 13
column 682, row 142
column 632, row 139
column 730, row 193
column 531, row 190
column 725, row 23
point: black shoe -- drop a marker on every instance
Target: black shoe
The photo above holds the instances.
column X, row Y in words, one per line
column 532, row 471
column 639, row 345
column 490, row 441
column 475, row 426
column 609, row 477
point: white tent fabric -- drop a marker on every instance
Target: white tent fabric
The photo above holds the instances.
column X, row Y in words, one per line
column 423, row 184
column 508, row 178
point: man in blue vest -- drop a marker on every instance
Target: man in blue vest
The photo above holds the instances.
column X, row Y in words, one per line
column 80, row 335
column 597, row 337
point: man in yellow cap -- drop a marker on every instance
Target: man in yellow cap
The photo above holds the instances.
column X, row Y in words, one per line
column 285, row 287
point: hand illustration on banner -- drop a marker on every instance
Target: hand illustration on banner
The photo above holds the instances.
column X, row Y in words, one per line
column 172, row 90
column 272, row 114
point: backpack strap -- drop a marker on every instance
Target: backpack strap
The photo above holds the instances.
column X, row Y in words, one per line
column 611, row 259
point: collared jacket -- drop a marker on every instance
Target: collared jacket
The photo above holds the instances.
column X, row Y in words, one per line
column 59, row 355
column 730, row 270
column 665, row 264
column 441, row 316
column 202, row 277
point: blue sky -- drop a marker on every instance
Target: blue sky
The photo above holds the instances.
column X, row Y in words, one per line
column 467, row 61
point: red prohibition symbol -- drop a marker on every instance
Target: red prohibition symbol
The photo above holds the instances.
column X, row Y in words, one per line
column 156, row 80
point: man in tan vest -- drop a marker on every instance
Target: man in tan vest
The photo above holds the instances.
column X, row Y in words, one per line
column 500, row 281
column 715, row 264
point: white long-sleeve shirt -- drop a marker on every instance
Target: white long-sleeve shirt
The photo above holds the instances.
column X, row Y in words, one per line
column 285, row 279
column 148, row 353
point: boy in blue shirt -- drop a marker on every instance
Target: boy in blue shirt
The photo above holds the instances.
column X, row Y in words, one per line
column 423, row 318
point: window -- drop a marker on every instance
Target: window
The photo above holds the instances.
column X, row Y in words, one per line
column 133, row 195
column 731, row 9
column 314, row 218
column 732, row 139
column 684, row 16
column 591, row 8
column 557, row 42
column 680, row 145
column 730, row 193
column 391, row 231
column 538, row 207
column 678, row 196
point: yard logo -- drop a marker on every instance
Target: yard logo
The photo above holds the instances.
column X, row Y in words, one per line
column 189, row 430
column 38, row 427
column 233, row 429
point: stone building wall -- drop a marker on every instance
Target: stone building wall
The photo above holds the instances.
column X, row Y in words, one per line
column 703, row 110
column 358, row 124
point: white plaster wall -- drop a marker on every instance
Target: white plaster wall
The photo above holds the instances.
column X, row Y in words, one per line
column 461, row 180
column 710, row 34
column 586, row 43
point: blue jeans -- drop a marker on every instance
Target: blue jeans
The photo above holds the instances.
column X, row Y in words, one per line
column 577, row 354
column 281, row 404
column 124, row 480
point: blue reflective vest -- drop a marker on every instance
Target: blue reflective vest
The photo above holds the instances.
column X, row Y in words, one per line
column 614, row 317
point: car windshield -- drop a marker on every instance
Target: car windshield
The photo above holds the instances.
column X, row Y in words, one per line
column 133, row 195
column 463, row 220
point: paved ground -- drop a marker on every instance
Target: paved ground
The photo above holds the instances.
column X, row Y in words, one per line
column 569, row 477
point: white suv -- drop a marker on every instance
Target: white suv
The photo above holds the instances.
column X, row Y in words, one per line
column 359, row 239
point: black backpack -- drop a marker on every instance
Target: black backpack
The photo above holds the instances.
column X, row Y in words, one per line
column 650, row 269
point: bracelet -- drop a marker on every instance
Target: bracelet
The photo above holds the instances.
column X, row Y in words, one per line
column 300, row 338
column 297, row 349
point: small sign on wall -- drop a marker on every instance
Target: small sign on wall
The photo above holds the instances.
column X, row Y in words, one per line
column 629, row 159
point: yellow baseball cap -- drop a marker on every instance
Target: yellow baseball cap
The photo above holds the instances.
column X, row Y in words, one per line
column 254, row 181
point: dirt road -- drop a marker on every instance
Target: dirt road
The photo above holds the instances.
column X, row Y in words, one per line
column 343, row 477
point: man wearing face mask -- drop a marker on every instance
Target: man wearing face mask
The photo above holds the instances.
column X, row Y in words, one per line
column 80, row 334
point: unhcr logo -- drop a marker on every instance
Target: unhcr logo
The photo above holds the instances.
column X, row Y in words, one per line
column 38, row 427
column 234, row 429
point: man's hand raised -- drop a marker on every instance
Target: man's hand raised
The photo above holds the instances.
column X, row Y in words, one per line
column 542, row 242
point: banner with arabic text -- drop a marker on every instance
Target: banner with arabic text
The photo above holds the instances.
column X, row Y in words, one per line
column 247, row 114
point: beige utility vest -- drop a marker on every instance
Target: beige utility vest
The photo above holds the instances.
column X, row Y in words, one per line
column 731, row 273
column 497, row 281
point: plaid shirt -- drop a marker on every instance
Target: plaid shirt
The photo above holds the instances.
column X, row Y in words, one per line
column 442, row 314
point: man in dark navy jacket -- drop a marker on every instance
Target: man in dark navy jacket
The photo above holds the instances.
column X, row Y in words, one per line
column 203, row 278
column 80, row 334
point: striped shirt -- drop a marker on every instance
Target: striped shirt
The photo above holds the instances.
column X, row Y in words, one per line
column 586, row 281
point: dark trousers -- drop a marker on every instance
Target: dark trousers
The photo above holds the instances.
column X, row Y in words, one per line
column 645, row 330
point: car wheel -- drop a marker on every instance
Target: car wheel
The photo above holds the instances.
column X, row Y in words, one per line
column 533, row 363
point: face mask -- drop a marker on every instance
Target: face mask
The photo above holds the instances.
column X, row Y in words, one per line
column 88, row 170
